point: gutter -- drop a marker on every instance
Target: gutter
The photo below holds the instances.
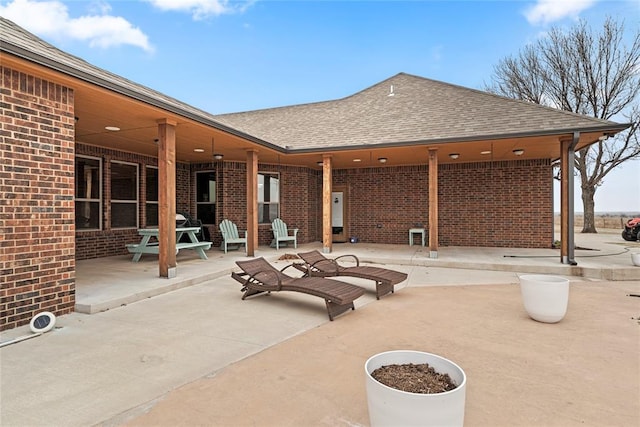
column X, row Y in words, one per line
column 437, row 141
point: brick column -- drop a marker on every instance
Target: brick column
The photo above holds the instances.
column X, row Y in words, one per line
column 37, row 227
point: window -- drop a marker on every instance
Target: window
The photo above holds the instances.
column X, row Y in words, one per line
column 124, row 195
column 152, row 196
column 88, row 193
column 206, row 197
column 268, row 197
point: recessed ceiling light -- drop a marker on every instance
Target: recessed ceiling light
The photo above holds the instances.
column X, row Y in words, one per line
column 357, row 160
column 112, row 128
column 199, row 150
column 485, row 152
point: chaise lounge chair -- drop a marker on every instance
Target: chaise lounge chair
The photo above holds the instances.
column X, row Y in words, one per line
column 259, row 276
column 317, row 265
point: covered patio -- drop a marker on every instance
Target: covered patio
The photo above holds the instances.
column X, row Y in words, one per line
column 408, row 152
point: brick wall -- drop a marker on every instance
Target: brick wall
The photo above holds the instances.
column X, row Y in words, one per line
column 498, row 204
column 37, row 263
column 110, row 241
column 385, row 202
column 231, row 182
column 298, row 204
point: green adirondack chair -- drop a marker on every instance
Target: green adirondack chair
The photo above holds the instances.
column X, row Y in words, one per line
column 282, row 234
column 230, row 236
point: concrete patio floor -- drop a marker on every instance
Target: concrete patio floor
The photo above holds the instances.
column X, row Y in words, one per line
column 191, row 352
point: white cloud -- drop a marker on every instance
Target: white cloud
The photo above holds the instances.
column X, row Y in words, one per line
column 51, row 18
column 202, row 9
column 547, row 11
column 99, row 7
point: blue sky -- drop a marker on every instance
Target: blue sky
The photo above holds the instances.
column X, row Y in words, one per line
column 227, row 56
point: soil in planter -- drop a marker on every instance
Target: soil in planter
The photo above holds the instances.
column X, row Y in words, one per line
column 414, row 378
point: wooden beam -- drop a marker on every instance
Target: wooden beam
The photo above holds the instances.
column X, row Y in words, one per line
column 433, row 203
column 252, row 202
column 327, row 233
column 167, row 198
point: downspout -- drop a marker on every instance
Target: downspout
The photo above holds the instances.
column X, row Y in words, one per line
column 570, row 165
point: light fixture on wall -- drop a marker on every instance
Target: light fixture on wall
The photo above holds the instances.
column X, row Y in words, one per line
column 518, row 151
column 319, row 163
column 382, row 159
column 454, row 155
column 218, row 156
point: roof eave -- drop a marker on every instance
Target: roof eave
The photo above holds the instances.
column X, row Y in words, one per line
column 89, row 78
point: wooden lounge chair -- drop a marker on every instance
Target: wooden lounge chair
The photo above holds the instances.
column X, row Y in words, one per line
column 230, row 236
column 283, row 234
column 258, row 276
column 317, row 265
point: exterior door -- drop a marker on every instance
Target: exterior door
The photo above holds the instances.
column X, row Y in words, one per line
column 339, row 216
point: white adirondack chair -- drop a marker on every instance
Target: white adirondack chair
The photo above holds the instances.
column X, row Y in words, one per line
column 230, row 235
column 282, row 234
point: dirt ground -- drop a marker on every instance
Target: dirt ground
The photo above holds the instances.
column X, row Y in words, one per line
column 582, row 371
column 414, row 378
column 604, row 222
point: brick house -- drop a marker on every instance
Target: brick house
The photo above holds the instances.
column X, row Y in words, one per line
column 88, row 157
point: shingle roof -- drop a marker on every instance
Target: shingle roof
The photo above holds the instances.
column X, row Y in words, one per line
column 405, row 109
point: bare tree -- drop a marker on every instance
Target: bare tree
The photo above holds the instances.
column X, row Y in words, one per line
column 586, row 73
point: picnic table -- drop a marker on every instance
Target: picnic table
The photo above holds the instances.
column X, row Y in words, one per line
column 146, row 246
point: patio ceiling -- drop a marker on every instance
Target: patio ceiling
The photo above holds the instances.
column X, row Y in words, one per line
column 97, row 107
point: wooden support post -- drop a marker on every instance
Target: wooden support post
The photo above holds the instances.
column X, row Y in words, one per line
column 252, row 202
column 167, row 198
column 433, row 203
column 327, row 233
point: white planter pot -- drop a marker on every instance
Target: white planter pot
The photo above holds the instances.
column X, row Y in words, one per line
column 545, row 297
column 392, row 407
column 635, row 259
